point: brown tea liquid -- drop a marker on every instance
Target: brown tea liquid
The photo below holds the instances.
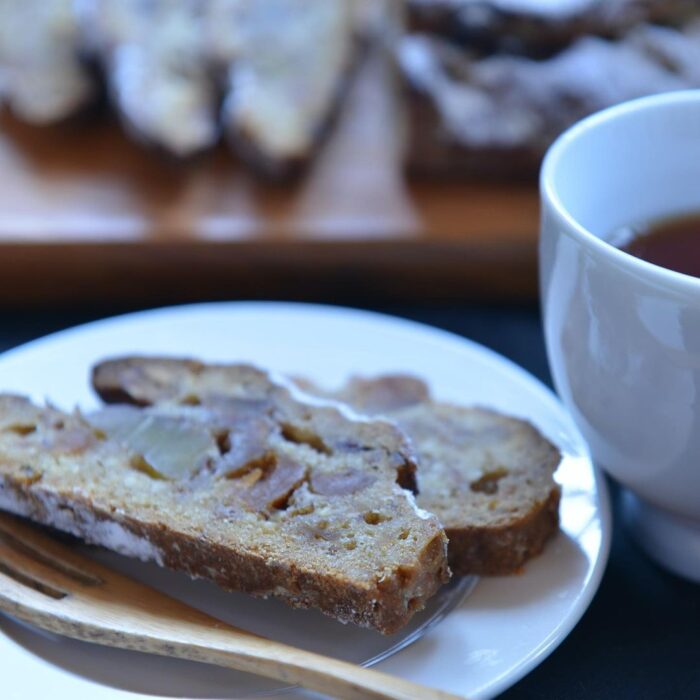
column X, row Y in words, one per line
column 671, row 243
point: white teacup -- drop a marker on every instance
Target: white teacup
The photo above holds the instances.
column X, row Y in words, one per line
column 623, row 335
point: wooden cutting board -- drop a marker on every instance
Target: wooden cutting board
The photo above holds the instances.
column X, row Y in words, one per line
column 87, row 215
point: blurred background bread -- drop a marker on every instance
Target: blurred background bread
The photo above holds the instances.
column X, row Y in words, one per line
column 173, row 150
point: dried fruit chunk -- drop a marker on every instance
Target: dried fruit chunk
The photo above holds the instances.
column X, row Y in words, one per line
column 172, row 447
column 275, row 485
column 341, row 483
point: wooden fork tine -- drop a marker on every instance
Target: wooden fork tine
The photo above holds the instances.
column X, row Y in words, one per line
column 63, row 557
column 23, row 542
column 11, row 576
column 23, row 568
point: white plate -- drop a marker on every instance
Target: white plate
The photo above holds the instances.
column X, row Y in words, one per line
column 490, row 640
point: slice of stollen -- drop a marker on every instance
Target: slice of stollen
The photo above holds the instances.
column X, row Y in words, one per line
column 488, row 477
column 254, row 489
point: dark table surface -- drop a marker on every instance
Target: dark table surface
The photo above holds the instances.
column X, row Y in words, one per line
column 640, row 638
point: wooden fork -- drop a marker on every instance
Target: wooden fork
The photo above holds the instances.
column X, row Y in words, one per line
column 51, row 586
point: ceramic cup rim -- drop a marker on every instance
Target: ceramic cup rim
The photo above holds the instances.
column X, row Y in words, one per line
column 550, row 195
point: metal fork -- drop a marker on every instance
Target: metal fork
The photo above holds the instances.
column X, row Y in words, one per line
column 51, row 586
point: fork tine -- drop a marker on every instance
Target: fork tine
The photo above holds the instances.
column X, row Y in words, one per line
column 27, row 539
column 30, row 582
column 30, row 572
column 9, row 539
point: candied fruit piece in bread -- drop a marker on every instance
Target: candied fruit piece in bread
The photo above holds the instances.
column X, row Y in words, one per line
column 251, row 488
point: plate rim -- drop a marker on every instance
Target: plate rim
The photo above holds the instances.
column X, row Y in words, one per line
column 595, row 574
column 559, row 634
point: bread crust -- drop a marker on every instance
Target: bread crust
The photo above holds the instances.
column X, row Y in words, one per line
column 504, row 549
